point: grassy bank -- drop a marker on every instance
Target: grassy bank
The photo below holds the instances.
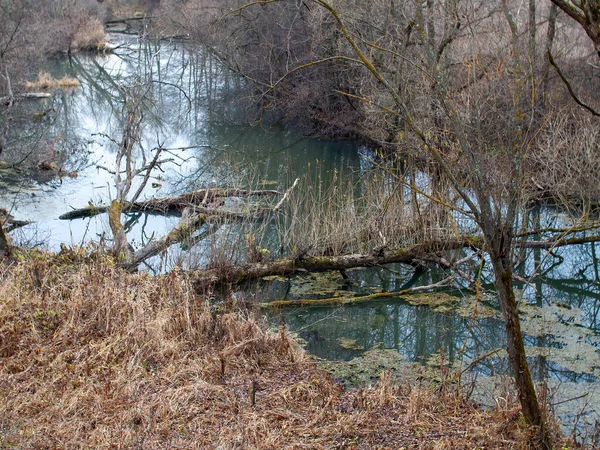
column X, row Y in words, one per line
column 93, row 357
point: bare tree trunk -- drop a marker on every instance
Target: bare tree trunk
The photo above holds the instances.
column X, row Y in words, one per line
column 5, row 217
column 532, row 32
column 4, row 244
column 120, row 244
column 549, row 43
column 8, row 118
column 500, row 255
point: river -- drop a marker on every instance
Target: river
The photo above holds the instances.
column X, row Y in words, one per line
column 190, row 115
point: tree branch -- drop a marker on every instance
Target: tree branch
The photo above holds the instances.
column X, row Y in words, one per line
column 570, row 88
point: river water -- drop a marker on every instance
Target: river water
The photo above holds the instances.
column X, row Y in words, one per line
column 190, row 114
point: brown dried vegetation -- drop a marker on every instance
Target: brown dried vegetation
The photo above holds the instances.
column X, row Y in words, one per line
column 94, row 357
column 46, row 81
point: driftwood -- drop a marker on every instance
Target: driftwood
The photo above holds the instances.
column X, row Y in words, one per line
column 200, row 200
column 25, row 95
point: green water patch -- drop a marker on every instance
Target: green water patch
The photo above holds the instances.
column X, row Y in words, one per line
column 320, row 285
column 368, row 367
column 437, row 301
column 557, row 329
column 562, row 337
column 350, row 344
column 553, row 332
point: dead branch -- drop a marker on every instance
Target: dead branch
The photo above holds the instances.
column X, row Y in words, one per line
column 288, row 266
column 175, row 205
column 285, row 196
column 570, row 87
column 558, row 242
column 182, row 231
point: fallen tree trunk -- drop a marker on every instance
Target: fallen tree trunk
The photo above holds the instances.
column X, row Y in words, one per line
column 413, row 255
column 35, row 95
column 558, row 242
column 184, row 230
column 175, row 205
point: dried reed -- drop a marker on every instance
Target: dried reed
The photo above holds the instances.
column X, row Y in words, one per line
column 46, row 81
column 93, row 357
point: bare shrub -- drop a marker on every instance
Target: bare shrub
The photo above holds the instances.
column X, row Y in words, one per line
column 567, row 161
column 89, row 35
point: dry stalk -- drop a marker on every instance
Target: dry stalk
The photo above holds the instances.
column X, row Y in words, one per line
column 92, row 356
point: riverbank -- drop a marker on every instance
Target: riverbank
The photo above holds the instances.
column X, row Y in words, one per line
column 91, row 356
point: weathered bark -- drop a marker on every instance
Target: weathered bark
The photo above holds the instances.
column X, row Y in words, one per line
column 184, row 230
column 4, row 243
column 413, row 255
column 175, row 205
column 499, row 245
column 5, row 217
column 120, row 244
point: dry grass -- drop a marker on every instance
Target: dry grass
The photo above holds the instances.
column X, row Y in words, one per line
column 89, row 35
column 46, row 81
column 337, row 216
column 93, row 357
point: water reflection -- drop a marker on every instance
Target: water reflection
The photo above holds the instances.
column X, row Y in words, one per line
column 190, row 114
column 559, row 318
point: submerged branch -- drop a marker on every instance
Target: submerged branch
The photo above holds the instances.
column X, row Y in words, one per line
column 357, row 299
column 5, row 101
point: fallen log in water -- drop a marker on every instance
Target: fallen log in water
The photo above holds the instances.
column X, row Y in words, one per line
column 200, row 200
column 25, row 95
column 413, row 255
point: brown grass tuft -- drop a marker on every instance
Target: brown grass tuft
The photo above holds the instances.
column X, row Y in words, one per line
column 46, row 81
column 93, row 357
